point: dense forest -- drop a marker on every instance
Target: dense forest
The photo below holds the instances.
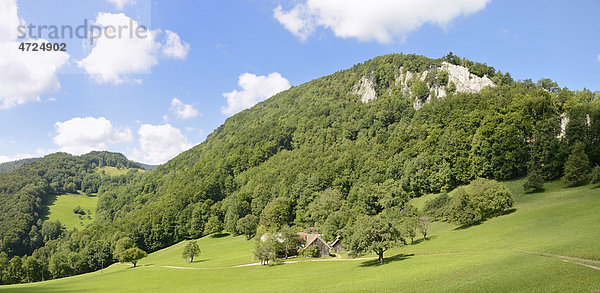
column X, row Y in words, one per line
column 312, row 156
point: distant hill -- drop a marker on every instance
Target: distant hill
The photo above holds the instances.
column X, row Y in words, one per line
column 148, row 167
column 11, row 166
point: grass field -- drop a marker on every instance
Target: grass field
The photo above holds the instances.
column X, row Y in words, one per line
column 113, row 171
column 61, row 208
column 523, row 251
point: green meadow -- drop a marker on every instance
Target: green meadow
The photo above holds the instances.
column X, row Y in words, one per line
column 113, row 171
column 61, row 208
column 550, row 243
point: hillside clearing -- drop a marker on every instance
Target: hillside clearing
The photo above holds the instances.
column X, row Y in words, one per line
column 61, row 208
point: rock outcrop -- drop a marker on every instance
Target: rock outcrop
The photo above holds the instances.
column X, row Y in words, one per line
column 465, row 81
column 459, row 77
column 365, row 89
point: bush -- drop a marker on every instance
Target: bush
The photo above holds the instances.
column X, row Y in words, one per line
column 451, row 88
column 311, row 251
column 78, row 210
column 480, row 200
column 247, row 225
column 436, row 208
column 534, row 183
column 595, row 175
column 462, row 209
column 577, row 166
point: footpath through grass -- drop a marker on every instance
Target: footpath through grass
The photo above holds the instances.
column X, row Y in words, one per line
column 516, row 252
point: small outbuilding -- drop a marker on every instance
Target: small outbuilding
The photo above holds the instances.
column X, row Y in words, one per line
column 336, row 245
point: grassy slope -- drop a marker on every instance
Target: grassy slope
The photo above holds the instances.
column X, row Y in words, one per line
column 215, row 252
column 61, row 208
column 113, row 171
column 485, row 258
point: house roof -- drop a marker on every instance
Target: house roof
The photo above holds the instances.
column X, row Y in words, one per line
column 336, row 241
column 311, row 238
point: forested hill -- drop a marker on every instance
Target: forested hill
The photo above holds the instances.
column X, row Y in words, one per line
column 24, row 192
column 394, row 127
column 358, row 142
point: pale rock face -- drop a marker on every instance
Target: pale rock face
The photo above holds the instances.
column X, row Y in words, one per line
column 465, row 82
column 564, row 121
column 365, row 89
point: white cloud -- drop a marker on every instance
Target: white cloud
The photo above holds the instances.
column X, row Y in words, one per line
column 120, row 4
column 174, row 47
column 9, row 20
column 82, row 135
column 24, row 76
column 379, row 20
column 120, row 53
column 298, row 20
column 113, row 59
column 598, row 58
column 254, row 90
column 160, row 143
column 182, row 110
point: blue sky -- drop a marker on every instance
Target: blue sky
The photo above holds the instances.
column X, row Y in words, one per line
column 218, row 44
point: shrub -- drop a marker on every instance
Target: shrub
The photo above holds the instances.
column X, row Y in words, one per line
column 436, row 207
column 247, row 225
column 480, row 200
column 595, row 175
column 534, row 182
column 78, row 210
column 577, row 166
column 311, row 251
column 462, row 210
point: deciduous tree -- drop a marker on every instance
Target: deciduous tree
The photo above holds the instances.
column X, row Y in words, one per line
column 132, row 255
column 191, row 250
column 247, row 225
column 373, row 233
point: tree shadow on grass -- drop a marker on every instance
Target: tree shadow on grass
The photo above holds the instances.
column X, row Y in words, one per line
column 421, row 240
column 46, row 203
column 200, row 260
column 536, row 191
column 219, row 235
column 386, row 260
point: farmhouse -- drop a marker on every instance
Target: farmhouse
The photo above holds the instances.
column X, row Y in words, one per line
column 315, row 240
